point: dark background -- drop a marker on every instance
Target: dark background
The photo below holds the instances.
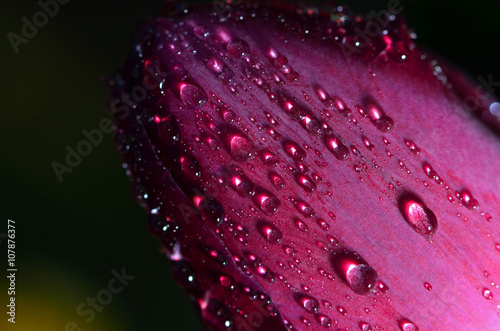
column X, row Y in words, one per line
column 70, row 235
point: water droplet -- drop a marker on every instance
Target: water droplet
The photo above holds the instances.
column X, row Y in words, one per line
column 377, row 116
column 336, row 147
column 242, row 185
column 266, row 201
column 191, row 95
column 468, row 200
column 202, row 32
column 227, row 282
column 269, row 158
column 341, row 310
column 368, row 143
column 300, row 224
column 428, row 286
column 211, row 210
column 290, row 251
column 382, row 287
column 324, row 320
column 355, row 271
column 384, row 124
column 412, row 147
column 241, row 148
column 190, row 166
column 294, row 150
column 215, row 65
column 306, row 301
column 407, row 325
column 418, row 215
column 270, row 232
column 277, row 181
column 305, row 182
column 238, row 49
column 304, row 208
column 365, row 326
column 487, row 294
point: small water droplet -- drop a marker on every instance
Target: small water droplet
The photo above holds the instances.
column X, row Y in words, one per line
column 487, row 294
column 227, row 282
column 305, row 182
column 355, row 271
column 468, row 200
column 266, row 201
column 277, row 181
column 324, row 320
column 308, row 302
column 407, row 325
column 294, row 150
column 269, row 158
column 242, row 185
column 382, row 287
column 270, row 232
column 202, row 32
column 336, row 147
column 304, row 208
column 418, row 215
column 238, row 49
column 384, row 124
column 365, row 326
column 412, row 147
column 428, row 286
column 341, row 310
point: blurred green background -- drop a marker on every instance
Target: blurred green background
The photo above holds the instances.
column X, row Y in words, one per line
column 71, row 235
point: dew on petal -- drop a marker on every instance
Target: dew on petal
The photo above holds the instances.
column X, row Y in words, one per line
column 269, row 232
column 191, row 95
column 355, row 271
column 418, row 215
column 308, row 302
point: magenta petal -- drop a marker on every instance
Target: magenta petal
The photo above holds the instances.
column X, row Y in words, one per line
column 298, row 177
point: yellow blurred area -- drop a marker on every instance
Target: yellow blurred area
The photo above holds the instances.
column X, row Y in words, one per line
column 47, row 301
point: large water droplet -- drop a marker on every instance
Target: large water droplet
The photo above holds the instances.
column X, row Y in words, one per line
column 191, row 95
column 241, row 148
column 418, row 215
column 355, row 271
